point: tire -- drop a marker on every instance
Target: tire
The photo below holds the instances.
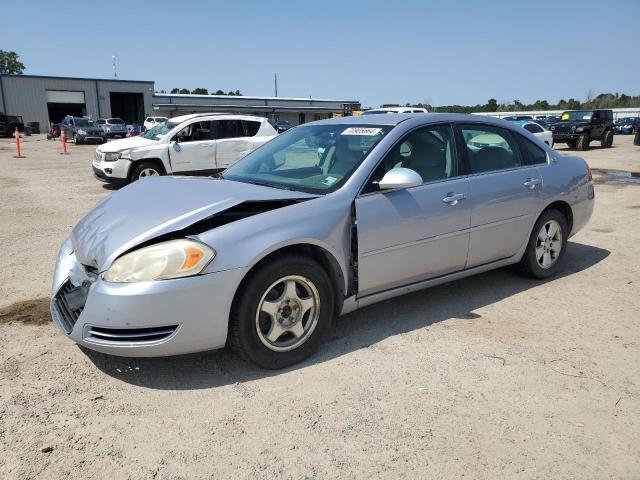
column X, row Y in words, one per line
column 532, row 263
column 145, row 169
column 76, row 140
column 250, row 325
column 607, row 139
column 571, row 144
column 583, row 142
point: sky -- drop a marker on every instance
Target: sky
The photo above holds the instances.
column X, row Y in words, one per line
column 394, row 51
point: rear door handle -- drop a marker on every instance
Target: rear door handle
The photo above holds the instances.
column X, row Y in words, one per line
column 453, row 198
column 532, row 182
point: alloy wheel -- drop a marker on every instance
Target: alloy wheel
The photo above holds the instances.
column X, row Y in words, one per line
column 549, row 244
column 288, row 313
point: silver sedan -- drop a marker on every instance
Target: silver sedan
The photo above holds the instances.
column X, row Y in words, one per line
column 326, row 218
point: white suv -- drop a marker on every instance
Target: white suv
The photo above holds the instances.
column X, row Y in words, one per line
column 151, row 122
column 197, row 144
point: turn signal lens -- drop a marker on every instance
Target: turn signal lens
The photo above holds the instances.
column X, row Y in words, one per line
column 172, row 259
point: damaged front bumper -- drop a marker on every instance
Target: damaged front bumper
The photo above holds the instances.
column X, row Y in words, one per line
column 144, row 319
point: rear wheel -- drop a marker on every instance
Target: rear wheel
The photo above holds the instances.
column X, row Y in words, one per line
column 145, row 169
column 583, row 142
column 76, row 140
column 282, row 313
column 607, row 139
column 546, row 245
column 571, row 144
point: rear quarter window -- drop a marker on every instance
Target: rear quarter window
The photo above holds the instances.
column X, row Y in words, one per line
column 251, row 128
column 533, row 154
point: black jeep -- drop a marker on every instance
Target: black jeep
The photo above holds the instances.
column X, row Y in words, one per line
column 577, row 128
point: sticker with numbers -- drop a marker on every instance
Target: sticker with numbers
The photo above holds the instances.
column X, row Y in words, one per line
column 364, row 131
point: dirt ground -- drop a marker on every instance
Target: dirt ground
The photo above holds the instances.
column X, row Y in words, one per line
column 494, row 376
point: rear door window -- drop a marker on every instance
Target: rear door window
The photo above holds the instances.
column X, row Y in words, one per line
column 228, row 129
column 490, row 148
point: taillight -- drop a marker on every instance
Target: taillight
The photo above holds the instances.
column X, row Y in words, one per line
column 107, row 125
column 589, row 174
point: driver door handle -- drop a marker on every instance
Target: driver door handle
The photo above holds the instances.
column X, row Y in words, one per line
column 453, row 198
column 532, row 182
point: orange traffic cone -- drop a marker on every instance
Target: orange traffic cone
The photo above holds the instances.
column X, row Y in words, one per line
column 63, row 139
column 16, row 135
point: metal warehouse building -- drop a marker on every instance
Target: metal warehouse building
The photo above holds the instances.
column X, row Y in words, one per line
column 45, row 99
column 294, row 110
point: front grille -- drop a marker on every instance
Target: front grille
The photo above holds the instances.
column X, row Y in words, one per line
column 129, row 336
column 68, row 304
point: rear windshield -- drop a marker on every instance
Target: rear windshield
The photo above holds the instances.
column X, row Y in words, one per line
column 116, row 121
column 82, row 122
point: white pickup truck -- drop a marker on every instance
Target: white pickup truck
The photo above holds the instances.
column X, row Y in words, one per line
column 196, row 144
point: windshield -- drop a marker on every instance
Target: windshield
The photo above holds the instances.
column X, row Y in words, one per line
column 15, row 119
column 576, row 115
column 159, row 130
column 82, row 122
column 115, row 121
column 313, row 158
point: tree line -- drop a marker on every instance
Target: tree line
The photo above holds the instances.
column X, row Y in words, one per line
column 603, row 100
column 202, row 91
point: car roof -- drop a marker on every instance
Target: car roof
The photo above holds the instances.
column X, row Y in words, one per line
column 184, row 118
column 426, row 118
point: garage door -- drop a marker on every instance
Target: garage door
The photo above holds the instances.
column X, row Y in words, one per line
column 64, row 96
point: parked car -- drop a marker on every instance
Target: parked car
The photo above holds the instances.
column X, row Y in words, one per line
column 113, row 127
column 328, row 217
column 537, row 129
column 151, row 122
column 281, row 126
column 577, row 128
column 195, row 144
column 9, row 123
column 627, row 126
column 375, row 111
column 512, row 118
column 81, row 130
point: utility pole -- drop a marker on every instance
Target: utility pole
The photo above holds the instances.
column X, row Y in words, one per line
column 115, row 70
column 275, row 78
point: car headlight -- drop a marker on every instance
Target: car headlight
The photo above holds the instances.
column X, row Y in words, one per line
column 553, row 128
column 112, row 156
column 82, row 132
column 579, row 129
column 172, row 259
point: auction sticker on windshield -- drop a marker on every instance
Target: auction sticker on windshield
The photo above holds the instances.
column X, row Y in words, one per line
column 365, row 131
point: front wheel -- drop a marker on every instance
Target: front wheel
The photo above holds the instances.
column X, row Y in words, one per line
column 76, row 140
column 282, row 313
column 607, row 139
column 583, row 142
column 145, row 169
column 546, row 245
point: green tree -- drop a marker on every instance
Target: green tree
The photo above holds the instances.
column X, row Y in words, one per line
column 184, row 91
column 238, row 94
column 492, row 105
column 200, row 91
column 219, row 92
column 10, row 64
column 175, row 90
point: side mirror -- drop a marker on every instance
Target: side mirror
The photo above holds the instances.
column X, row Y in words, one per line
column 400, row 178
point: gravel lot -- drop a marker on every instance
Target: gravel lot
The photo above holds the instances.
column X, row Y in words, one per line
column 489, row 377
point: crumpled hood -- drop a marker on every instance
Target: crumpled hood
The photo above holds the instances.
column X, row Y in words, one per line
column 154, row 206
column 126, row 143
